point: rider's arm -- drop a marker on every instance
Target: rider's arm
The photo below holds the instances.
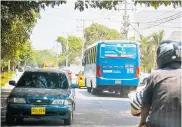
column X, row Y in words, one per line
column 144, row 113
column 146, row 100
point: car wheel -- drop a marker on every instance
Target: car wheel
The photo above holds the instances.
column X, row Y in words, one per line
column 19, row 120
column 72, row 114
column 9, row 119
column 69, row 120
column 74, row 107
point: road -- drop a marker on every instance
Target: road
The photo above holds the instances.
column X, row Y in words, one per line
column 105, row 110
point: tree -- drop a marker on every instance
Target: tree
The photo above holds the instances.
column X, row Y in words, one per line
column 102, row 4
column 157, row 38
column 97, row 32
column 149, row 46
column 74, row 44
column 145, row 55
column 18, row 19
column 39, row 56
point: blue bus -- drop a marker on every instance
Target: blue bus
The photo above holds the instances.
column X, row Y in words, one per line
column 112, row 65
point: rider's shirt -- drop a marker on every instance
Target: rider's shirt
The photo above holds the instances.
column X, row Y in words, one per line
column 163, row 93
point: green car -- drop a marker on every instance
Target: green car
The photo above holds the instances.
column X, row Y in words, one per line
column 41, row 94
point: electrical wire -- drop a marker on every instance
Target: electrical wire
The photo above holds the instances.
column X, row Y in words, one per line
column 177, row 14
column 163, row 13
column 162, row 23
column 135, row 29
column 157, row 24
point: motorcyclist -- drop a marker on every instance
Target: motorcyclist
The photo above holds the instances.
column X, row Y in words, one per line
column 162, row 94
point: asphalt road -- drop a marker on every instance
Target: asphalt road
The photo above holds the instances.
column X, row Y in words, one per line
column 106, row 110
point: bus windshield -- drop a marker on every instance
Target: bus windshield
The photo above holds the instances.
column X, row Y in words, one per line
column 118, row 50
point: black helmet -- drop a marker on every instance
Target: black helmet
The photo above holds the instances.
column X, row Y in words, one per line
column 168, row 51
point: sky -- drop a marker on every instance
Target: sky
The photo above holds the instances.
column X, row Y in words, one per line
column 64, row 19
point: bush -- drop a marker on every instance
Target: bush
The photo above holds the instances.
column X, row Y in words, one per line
column 5, row 77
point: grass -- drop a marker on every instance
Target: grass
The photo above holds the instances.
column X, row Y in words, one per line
column 5, row 77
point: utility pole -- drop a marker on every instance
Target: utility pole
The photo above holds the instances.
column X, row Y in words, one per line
column 82, row 27
column 67, row 50
column 126, row 23
column 124, row 29
column 57, row 56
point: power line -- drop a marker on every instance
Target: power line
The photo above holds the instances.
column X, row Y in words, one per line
column 163, row 13
column 177, row 14
column 170, row 26
column 162, row 23
column 135, row 29
column 157, row 24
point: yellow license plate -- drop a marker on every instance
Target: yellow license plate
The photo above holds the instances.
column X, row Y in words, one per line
column 38, row 111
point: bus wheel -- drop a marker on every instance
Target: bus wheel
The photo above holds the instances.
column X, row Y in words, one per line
column 89, row 89
column 123, row 93
column 96, row 91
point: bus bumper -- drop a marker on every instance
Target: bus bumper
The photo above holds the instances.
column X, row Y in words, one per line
column 117, row 82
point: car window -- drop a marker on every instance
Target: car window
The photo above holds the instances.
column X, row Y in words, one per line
column 43, row 80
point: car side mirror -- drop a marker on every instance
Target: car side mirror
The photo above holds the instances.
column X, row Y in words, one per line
column 74, row 86
column 12, row 82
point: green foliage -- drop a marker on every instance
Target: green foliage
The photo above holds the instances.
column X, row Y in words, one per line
column 17, row 21
column 97, row 32
column 102, row 4
column 75, row 46
column 148, row 47
column 5, row 77
column 39, row 56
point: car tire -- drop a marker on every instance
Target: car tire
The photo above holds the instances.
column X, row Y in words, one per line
column 88, row 89
column 9, row 119
column 19, row 120
column 69, row 120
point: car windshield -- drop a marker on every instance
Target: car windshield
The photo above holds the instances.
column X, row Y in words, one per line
column 43, row 80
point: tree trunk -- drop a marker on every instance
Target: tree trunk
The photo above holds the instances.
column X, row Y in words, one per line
column 9, row 67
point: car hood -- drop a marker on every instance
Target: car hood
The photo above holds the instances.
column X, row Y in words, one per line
column 41, row 92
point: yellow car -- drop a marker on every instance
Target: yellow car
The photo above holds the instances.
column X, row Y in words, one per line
column 80, row 79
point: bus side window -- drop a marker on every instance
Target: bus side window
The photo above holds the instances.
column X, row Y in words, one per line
column 91, row 55
column 94, row 54
column 87, row 57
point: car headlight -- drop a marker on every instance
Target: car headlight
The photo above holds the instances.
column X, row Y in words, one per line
column 16, row 100
column 67, row 102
